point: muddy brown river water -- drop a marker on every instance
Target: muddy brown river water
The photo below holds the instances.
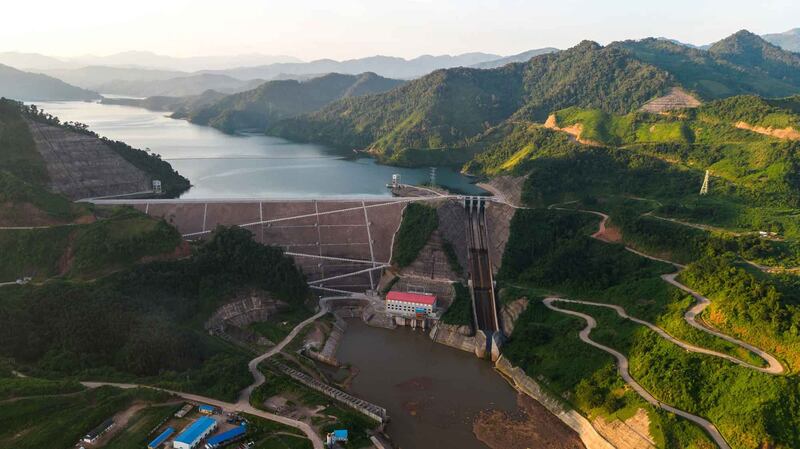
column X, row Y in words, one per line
column 432, row 392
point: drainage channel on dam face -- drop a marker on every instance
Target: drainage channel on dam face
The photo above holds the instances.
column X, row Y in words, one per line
column 433, row 393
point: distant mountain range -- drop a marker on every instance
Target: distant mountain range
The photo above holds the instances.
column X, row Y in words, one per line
column 18, row 85
column 387, row 66
column 272, row 101
column 789, row 40
column 144, row 82
column 141, row 59
column 519, row 57
column 429, row 119
column 181, row 86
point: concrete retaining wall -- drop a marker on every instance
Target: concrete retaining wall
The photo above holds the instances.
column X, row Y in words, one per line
column 328, row 353
column 450, row 335
column 577, row 422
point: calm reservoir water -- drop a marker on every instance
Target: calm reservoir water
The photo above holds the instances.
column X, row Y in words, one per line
column 432, row 392
column 225, row 166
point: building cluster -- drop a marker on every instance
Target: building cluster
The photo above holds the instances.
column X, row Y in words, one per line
column 198, row 434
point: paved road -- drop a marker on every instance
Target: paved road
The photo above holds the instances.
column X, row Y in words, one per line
column 665, row 335
column 774, row 366
column 622, row 366
column 244, row 396
column 690, row 316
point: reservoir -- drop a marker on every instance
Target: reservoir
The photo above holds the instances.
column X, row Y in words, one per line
column 432, row 392
column 226, row 166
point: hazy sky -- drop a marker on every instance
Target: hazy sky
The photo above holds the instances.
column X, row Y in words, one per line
column 343, row 29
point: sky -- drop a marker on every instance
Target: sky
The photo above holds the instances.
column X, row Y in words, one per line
column 342, row 29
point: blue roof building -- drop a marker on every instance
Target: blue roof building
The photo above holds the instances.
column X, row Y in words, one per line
column 340, row 435
column 226, row 437
column 194, row 433
column 337, row 436
column 161, row 438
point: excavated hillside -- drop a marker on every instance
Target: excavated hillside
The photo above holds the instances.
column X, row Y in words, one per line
column 83, row 166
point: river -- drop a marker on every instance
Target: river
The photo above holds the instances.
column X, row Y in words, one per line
column 432, row 392
column 225, row 166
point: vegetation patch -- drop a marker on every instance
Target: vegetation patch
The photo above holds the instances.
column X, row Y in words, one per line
column 419, row 222
column 60, row 421
column 146, row 323
column 460, row 311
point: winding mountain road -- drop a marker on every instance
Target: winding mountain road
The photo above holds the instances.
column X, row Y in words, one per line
column 244, row 396
column 690, row 316
column 243, row 403
column 623, row 368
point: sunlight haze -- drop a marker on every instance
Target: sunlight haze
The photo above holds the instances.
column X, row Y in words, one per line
column 311, row 29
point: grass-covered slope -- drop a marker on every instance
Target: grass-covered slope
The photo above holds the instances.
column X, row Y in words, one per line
column 257, row 109
column 754, row 164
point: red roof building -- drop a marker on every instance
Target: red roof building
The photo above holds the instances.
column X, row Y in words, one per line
column 410, row 304
column 412, row 298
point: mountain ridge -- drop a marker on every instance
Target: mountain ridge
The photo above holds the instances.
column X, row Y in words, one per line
column 20, row 85
column 275, row 100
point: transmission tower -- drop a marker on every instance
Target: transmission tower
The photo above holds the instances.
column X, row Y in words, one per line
column 704, row 188
column 433, row 176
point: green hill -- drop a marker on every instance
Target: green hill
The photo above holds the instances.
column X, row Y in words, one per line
column 434, row 118
column 740, row 64
column 743, row 162
column 446, row 108
column 275, row 100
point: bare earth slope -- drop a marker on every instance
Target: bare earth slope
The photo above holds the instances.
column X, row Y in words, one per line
column 82, row 166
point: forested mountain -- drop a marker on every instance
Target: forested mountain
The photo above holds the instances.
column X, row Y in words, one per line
column 789, row 40
column 178, row 105
column 446, row 109
column 21, row 85
column 740, row 64
column 275, row 100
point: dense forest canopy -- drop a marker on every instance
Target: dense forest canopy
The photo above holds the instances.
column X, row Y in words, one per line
column 145, row 320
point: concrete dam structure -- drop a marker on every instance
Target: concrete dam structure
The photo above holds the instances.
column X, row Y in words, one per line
column 341, row 245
